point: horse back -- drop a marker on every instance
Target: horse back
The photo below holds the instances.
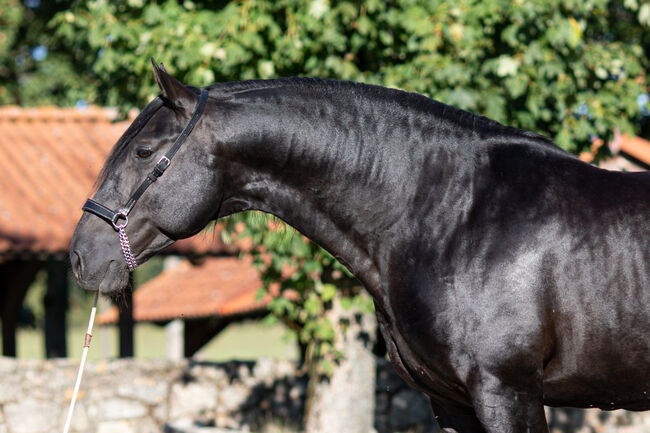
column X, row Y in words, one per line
column 584, row 233
column 547, row 257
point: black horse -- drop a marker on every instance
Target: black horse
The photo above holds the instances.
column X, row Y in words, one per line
column 505, row 272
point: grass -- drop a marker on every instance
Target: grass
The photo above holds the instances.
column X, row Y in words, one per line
column 247, row 340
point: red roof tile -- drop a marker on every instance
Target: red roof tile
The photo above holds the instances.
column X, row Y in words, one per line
column 220, row 286
column 49, row 159
column 636, row 147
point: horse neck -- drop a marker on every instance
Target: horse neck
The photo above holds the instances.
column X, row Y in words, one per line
column 364, row 172
column 323, row 167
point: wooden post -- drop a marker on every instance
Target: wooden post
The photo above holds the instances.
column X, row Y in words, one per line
column 8, row 337
column 125, row 308
column 56, row 305
column 15, row 278
column 200, row 331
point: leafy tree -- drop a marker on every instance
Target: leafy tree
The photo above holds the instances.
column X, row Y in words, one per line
column 569, row 69
column 34, row 68
column 11, row 15
column 304, row 281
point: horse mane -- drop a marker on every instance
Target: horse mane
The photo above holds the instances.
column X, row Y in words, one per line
column 408, row 100
column 234, row 87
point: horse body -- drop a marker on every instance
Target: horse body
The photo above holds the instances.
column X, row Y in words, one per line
column 564, row 289
column 601, row 279
column 505, row 272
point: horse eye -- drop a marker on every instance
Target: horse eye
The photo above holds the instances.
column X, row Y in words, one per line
column 143, row 152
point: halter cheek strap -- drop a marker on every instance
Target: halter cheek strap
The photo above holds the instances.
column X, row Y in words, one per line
column 120, row 218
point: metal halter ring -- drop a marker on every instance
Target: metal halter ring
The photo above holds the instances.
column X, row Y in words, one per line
column 120, row 214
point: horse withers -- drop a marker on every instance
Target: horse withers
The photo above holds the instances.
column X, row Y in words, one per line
column 506, row 273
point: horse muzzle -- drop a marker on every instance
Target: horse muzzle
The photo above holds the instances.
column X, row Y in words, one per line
column 107, row 276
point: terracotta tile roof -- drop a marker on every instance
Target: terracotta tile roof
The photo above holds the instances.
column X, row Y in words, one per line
column 221, row 286
column 49, row 159
column 636, row 147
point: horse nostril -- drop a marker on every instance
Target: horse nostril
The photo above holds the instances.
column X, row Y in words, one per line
column 77, row 265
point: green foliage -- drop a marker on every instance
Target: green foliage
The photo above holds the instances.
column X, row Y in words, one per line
column 565, row 68
column 11, row 16
column 34, row 68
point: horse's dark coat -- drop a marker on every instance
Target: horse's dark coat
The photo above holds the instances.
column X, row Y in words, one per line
column 505, row 272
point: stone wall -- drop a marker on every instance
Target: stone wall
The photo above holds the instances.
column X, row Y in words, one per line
column 145, row 396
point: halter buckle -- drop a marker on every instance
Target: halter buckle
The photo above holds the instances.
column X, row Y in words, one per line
column 161, row 166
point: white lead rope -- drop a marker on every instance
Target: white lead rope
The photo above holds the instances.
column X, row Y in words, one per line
column 84, row 354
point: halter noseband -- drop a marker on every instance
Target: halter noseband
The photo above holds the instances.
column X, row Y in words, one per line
column 120, row 218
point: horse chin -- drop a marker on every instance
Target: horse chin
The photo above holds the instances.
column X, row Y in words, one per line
column 116, row 279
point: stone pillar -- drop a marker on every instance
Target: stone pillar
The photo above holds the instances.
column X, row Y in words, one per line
column 346, row 402
column 174, row 340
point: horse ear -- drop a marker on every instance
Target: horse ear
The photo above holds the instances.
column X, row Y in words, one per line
column 172, row 89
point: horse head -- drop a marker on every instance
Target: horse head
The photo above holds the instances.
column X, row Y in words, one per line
column 177, row 205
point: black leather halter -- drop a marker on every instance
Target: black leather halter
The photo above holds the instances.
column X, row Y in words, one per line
column 120, row 217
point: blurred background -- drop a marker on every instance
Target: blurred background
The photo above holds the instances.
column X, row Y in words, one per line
column 73, row 74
